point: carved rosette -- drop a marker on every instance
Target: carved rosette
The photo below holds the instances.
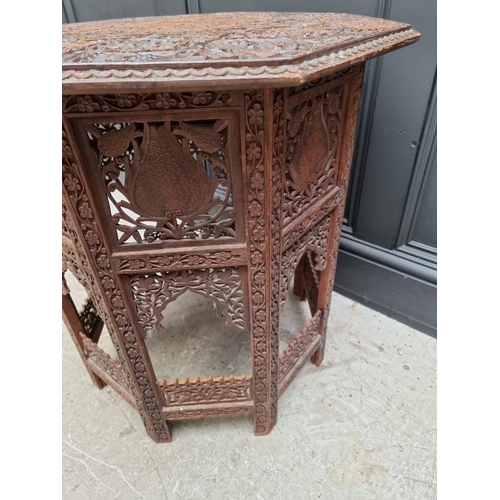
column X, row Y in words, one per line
column 152, row 293
column 108, row 296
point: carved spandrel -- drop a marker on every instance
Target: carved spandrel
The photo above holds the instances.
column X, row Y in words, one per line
column 167, row 180
column 153, row 292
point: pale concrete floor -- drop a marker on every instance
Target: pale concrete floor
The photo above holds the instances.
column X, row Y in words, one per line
column 360, row 427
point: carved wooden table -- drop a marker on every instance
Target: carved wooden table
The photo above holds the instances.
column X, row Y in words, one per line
column 212, row 154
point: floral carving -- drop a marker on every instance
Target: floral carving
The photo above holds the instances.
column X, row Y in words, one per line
column 167, row 181
column 256, row 201
column 198, row 40
column 152, row 293
column 144, row 102
column 313, row 130
column 179, row 261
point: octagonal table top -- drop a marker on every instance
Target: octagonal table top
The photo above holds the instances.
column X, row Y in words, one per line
column 225, row 50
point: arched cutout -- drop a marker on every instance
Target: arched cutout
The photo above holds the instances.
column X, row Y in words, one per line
column 194, row 341
column 300, row 295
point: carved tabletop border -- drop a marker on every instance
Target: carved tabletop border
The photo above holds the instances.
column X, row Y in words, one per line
column 78, row 81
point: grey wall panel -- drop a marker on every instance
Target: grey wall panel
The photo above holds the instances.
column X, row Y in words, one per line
column 400, row 296
column 172, row 7
column 364, row 7
column 94, row 10
column 425, row 228
column 403, row 94
column 68, row 12
column 417, row 233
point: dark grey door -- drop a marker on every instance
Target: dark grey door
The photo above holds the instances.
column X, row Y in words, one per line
column 388, row 250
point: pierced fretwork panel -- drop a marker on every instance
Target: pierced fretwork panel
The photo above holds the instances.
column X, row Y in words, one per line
column 313, row 131
column 315, row 240
column 153, row 292
column 166, row 180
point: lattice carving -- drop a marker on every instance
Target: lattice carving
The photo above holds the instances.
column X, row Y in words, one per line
column 313, row 130
column 165, row 181
column 206, row 390
column 152, row 293
column 89, row 316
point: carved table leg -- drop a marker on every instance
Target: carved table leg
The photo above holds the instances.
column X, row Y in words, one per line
column 263, row 144
column 111, row 295
column 328, row 275
column 72, row 321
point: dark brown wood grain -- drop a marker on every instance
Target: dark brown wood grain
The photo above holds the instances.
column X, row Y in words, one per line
column 211, row 154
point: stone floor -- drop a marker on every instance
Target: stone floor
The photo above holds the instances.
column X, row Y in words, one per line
column 362, row 426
